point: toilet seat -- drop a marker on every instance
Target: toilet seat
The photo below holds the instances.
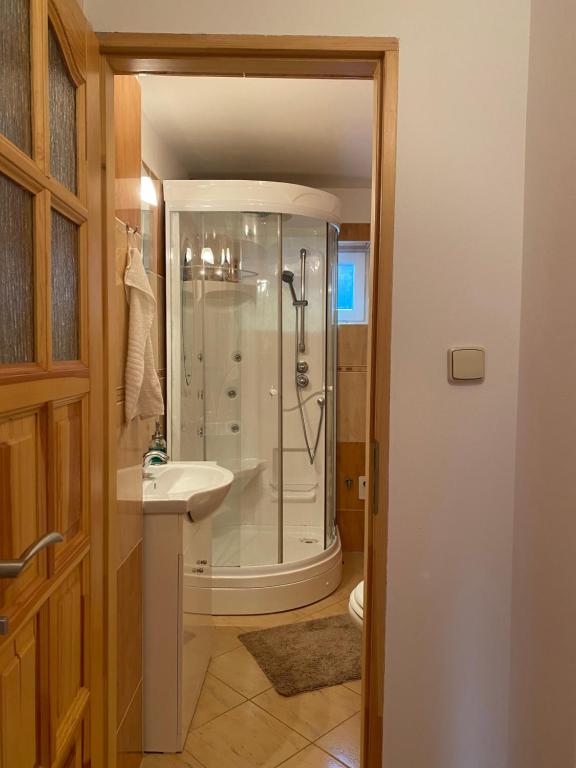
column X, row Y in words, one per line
column 356, row 604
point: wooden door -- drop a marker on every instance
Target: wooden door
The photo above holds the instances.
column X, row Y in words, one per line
column 51, row 369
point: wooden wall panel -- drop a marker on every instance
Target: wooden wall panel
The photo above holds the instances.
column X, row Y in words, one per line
column 129, row 648
column 128, row 146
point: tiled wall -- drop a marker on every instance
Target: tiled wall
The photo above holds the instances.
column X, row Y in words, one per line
column 351, row 429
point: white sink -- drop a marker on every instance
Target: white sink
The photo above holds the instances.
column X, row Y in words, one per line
column 193, row 488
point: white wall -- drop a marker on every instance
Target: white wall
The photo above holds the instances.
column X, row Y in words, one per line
column 158, row 156
column 356, row 203
column 543, row 699
column 463, row 72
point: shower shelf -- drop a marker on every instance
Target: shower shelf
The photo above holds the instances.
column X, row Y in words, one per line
column 215, row 273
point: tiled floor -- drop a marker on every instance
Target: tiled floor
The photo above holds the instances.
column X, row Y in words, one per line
column 240, row 720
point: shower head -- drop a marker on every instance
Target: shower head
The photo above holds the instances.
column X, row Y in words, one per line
column 288, row 278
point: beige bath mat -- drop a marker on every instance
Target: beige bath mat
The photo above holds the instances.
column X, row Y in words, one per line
column 307, row 655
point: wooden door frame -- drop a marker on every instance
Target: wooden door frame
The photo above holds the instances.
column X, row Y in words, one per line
column 373, row 58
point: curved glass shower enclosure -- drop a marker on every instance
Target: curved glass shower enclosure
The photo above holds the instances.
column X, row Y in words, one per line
column 251, row 269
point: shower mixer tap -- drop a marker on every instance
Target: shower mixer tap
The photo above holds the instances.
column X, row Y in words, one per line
column 302, row 380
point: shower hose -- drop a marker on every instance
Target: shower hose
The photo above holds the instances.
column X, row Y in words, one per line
column 321, row 404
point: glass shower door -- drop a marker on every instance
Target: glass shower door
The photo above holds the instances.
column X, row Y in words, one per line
column 331, row 377
column 304, row 382
column 230, row 383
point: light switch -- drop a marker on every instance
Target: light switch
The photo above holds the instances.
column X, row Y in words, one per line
column 466, row 364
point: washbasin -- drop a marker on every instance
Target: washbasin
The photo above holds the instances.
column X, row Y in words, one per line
column 192, row 488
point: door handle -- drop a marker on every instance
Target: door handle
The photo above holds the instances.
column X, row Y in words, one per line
column 11, row 569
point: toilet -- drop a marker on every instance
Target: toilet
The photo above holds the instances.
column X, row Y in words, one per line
column 356, row 605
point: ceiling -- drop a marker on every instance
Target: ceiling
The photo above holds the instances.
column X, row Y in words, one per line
column 299, row 131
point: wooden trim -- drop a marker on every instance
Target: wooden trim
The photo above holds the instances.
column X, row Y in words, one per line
column 24, row 171
column 355, row 232
column 38, row 391
column 378, row 432
column 285, row 56
column 110, row 437
column 81, row 171
column 39, row 69
column 83, row 295
column 42, row 280
column 99, row 462
column 221, row 66
column 155, row 46
column 70, row 29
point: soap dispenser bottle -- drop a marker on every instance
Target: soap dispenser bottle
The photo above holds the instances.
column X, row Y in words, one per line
column 158, row 442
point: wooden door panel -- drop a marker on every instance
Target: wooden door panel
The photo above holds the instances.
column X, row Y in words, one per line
column 22, row 501
column 74, row 757
column 19, row 701
column 68, row 673
column 51, row 397
column 68, row 472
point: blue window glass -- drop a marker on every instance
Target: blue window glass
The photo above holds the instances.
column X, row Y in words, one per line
column 345, row 286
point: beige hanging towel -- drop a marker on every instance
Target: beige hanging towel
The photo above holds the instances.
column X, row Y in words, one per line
column 143, row 391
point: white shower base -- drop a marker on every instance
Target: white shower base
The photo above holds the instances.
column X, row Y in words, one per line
column 233, row 587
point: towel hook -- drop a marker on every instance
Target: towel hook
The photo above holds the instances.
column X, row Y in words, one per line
column 130, row 231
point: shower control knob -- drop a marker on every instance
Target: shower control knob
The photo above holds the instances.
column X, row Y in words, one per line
column 302, row 380
column 302, row 366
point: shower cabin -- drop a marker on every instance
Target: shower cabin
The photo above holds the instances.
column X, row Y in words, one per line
column 252, row 344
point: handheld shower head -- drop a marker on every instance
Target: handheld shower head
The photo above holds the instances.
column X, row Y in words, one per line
column 288, row 278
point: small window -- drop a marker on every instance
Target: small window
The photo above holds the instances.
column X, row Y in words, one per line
column 352, row 301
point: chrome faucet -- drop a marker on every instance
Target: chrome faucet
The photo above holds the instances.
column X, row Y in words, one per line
column 152, row 457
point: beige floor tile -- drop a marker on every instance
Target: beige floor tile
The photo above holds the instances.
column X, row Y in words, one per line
column 182, row 760
column 336, row 609
column 354, row 685
column 239, row 670
column 313, row 713
column 344, row 742
column 312, row 757
column 225, row 639
column 244, row 737
column 215, row 698
column 335, row 597
column 256, row 621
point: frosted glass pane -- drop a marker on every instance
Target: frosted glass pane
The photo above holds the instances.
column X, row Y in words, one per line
column 15, row 88
column 65, row 285
column 62, row 93
column 17, row 269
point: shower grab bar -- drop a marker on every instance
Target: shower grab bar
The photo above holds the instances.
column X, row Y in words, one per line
column 302, row 329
